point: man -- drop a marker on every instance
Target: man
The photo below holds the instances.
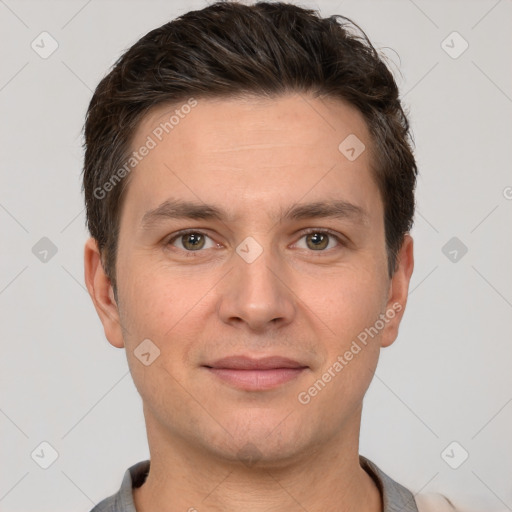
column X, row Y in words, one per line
column 249, row 185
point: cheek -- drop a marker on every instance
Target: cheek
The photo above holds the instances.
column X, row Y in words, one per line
column 153, row 301
column 349, row 304
column 336, row 390
column 168, row 309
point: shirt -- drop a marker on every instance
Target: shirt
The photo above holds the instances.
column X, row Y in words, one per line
column 395, row 497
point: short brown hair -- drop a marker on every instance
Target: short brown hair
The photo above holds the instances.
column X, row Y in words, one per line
column 230, row 49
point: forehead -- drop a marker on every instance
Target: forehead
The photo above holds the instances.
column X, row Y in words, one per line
column 217, row 126
column 252, row 152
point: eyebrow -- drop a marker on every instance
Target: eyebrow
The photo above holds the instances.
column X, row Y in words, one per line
column 180, row 209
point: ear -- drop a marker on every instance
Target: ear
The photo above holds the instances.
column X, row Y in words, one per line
column 102, row 294
column 398, row 292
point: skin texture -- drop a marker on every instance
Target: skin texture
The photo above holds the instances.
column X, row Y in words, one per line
column 253, row 158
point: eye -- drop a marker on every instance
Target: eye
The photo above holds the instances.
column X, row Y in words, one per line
column 191, row 241
column 319, row 240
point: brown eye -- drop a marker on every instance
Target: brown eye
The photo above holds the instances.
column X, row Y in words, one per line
column 317, row 241
column 191, row 241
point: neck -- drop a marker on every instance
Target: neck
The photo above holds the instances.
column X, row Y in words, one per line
column 186, row 477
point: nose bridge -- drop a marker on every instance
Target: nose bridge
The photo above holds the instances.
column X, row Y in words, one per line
column 255, row 291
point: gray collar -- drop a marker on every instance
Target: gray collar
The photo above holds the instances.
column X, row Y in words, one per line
column 396, row 498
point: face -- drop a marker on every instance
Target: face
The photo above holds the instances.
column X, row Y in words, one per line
column 246, row 232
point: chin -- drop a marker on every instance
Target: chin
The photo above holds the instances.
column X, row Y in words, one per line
column 270, row 441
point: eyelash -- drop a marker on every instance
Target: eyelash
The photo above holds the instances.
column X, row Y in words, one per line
column 308, row 231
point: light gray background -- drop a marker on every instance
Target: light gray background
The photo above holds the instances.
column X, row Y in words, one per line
column 447, row 378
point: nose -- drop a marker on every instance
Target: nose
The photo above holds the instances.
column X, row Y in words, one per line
column 255, row 294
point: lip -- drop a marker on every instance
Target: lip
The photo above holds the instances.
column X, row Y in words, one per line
column 250, row 363
column 251, row 374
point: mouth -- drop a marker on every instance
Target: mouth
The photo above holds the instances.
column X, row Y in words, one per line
column 256, row 374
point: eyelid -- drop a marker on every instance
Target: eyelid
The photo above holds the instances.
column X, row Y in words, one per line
column 178, row 234
column 334, row 234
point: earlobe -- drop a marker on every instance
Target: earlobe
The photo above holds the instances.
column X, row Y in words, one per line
column 100, row 290
column 398, row 291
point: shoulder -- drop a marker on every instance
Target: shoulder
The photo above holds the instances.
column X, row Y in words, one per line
column 122, row 500
column 431, row 502
column 107, row 505
column 434, row 502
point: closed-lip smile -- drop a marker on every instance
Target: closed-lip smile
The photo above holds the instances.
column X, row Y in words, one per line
column 253, row 374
